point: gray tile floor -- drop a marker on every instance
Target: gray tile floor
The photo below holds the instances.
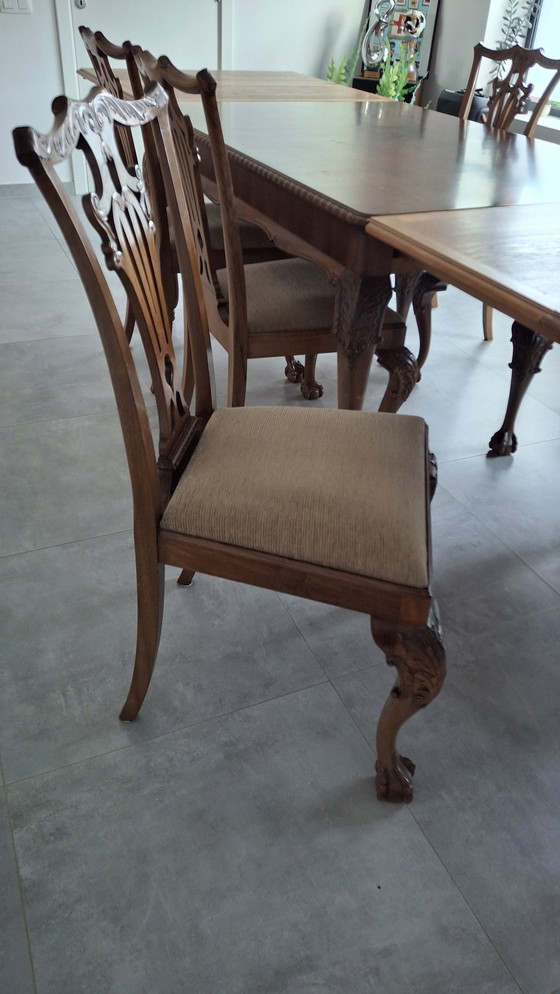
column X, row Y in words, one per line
column 229, row 842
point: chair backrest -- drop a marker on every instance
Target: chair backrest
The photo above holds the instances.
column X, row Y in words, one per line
column 509, row 93
column 100, row 51
column 163, row 71
column 119, row 211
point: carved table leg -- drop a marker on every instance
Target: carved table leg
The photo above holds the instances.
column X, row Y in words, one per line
column 529, row 349
column 359, row 311
column 403, row 377
column 419, row 657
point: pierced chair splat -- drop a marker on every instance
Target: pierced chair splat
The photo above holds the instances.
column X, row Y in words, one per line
column 218, row 492
column 256, row 245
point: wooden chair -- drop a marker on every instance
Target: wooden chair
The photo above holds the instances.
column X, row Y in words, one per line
column 508, row 96
column 219, row 492
column 256, row 245
column 276, row 308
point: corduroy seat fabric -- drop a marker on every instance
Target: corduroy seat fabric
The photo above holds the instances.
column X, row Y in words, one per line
column 285, row 296
column 257, row 480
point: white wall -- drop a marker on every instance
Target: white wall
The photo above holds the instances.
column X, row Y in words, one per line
column 460, row 26
column 30, row 77
column 299, row 35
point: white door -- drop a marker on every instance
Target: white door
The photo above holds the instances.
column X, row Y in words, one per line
column 187, row 31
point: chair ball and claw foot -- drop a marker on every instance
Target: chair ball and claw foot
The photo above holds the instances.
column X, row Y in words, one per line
column 296, row 372
column 294, row 369
column 529, row 349
column 419, row 658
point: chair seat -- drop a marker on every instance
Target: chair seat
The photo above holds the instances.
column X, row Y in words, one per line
column 288, row 295
column 285, row 295
column 257, row 480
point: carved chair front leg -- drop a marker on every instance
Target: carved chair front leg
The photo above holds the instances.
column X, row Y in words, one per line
column 529, row 349
column 418, row 655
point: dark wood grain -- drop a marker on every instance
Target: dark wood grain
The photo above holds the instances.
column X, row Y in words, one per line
column 391, row 158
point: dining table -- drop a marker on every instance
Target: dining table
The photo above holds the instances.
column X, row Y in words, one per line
column 380, row 192
column 251, row 85
column 372, row 190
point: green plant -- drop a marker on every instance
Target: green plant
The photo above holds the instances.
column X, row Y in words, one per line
column 338, row 72
column 394, row 81
column 516, row 21
column 343, row 72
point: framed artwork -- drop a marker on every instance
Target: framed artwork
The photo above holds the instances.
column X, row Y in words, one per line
column 399, row 30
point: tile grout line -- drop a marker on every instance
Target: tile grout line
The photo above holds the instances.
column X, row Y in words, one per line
column 467, row 903
column 23, row 906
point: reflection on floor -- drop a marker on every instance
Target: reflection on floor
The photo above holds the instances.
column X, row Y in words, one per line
column 229, row 842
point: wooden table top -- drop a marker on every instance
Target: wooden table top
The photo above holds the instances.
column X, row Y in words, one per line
column 507, row 256
column 479, row 208
column 255, row 86
column 388, row 157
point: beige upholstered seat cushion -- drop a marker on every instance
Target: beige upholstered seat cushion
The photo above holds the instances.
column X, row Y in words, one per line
column 290, row 295
column 343, row 489
column 286, row 295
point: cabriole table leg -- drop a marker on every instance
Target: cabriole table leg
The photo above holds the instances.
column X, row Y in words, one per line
column 529, row 349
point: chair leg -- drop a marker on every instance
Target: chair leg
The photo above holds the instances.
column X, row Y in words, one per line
column 418, row 655
column 419, row 289
column 529, row 349
column 150, row 577
column 310, row 388
column 185, row 578
column 422, row 303
column 487, row 316
column 237, row 379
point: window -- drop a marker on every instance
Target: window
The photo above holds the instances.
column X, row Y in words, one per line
column 545, row 34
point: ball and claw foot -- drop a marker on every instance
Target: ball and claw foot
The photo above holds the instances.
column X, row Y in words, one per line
column 294, row 370
column 311, row 391
column 502, row 443
column 395, row 785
